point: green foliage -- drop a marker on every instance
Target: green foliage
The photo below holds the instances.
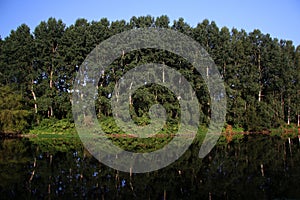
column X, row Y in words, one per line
column 54, row 126
column 258, row 117
column 13, row 117
column 238, row 129
column 286, row 131
column 260, row 74
column 108, row 125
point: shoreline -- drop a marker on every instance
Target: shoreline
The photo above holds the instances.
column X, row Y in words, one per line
column 228, row 133
column 159, row 135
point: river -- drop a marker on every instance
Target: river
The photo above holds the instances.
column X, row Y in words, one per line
column 257, row 167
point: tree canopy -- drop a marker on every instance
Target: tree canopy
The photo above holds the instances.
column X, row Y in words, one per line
column 37, row 70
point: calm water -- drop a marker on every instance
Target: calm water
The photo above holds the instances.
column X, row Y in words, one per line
column 258, row 167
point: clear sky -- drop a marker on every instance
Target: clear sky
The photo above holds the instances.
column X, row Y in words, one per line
column 280, row 18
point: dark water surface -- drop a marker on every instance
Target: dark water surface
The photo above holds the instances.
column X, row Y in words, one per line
column 258, row 167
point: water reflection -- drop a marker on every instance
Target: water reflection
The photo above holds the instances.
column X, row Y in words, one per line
column 258, row 167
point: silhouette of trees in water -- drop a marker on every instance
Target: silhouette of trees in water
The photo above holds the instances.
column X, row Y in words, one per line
column 256, row 167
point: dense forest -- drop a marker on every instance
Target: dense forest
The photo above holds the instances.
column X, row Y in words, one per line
column 37, row 69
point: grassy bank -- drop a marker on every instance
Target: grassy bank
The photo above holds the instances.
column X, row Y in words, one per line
column 54, row 127
column 61, row 133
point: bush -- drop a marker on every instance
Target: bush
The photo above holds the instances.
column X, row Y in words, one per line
column 14, row 118
column 54, row 126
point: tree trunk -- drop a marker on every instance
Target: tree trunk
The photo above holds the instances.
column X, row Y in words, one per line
column 34, row 98
column 117, row 92
column 130, row 98
column 51, row 79
column 50, row 109
column 163, row 74
column 260, row 84
column 262, row 169
column 207, row 72
column 50, row 112
column 289, row 112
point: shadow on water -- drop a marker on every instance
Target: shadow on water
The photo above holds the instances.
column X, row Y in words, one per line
column 260, row 167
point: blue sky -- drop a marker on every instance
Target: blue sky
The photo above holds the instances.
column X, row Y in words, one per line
column 279, row 18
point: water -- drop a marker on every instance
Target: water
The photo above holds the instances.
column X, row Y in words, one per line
column 260, row 167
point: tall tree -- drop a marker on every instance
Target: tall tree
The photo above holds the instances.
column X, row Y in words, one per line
column 17, row 62
column 289, row 77
column 48, row 37
column 142, row 22
column 297, row 85
column 261, row 74
column 162, row 21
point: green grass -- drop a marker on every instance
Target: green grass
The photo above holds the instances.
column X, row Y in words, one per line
column 59, row 134
column 54, row 127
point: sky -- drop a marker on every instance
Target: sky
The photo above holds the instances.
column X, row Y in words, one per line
column 279, row 18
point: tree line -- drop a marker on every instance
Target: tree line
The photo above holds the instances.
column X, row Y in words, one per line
column 37, row 70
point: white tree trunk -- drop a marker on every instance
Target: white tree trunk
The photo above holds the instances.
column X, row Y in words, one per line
column 163, row 74
column 259, row 94
column 207, row 72
column 130, row 98
column 289, row 113
column 34, row 98
column 260, row 84
column 50, row 112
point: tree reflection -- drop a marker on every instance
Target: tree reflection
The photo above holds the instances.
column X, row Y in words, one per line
column 231, row 171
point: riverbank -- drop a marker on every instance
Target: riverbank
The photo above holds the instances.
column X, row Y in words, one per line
column 66, row 129
column 287, row 131
column 63, row 135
